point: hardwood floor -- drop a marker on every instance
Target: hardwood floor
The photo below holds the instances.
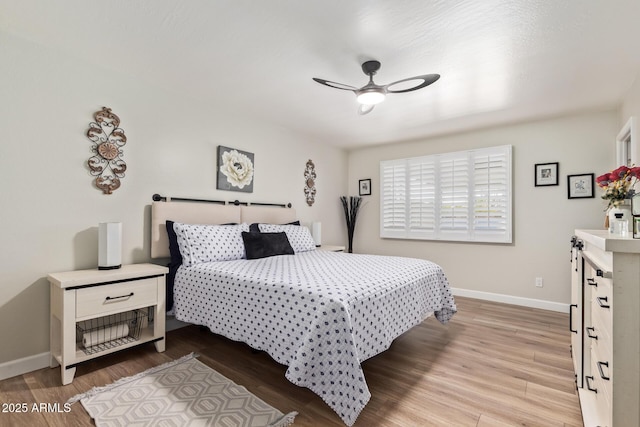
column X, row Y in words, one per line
column 492, row 365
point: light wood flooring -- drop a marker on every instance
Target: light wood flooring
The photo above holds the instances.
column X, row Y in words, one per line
column 492, row 365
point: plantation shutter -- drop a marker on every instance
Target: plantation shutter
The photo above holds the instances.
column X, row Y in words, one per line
column 422, row 197
column 492, row 195
column 453, row 196
column 393, row 178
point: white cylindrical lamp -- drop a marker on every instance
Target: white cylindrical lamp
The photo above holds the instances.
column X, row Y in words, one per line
column 316, row 233
column 109, row 245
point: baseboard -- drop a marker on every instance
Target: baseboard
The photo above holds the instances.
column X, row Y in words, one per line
column 508, row 299
column 22, row 366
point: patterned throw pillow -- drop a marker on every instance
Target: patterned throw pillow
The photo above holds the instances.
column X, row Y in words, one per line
column 299, row 236
column 206, row 243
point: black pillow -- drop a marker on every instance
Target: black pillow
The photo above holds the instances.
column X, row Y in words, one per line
column 263, row 245
column 255, row 229
column 176, row 261
column 174, row 250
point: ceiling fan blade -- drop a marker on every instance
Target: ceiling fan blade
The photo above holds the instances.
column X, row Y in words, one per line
column 427, row 79
column 365, row 109
column 335, row 85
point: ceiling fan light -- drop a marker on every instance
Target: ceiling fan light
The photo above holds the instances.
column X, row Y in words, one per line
column 371, row 97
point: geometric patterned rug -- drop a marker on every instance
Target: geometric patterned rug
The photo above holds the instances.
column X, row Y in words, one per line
column 179, row 393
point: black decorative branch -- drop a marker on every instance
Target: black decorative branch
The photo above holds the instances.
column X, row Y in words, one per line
column 351, row 207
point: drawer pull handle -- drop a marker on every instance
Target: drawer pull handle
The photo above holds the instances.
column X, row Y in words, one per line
column 575, row 331
column 120, row 297
column 595, row 390
column 602, row 302
column 592, row 282
column 589, row 330
column 602, row 375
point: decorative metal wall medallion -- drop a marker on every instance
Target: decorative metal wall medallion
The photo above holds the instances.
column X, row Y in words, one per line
column 108, row 139
column 310, row 182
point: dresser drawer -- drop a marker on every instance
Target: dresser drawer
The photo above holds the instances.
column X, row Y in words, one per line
column 603, row 386
column 601, row 321
column 593, row 279
column 602, row 301
column 599, row 339
column 116, row 297
column 602, row 365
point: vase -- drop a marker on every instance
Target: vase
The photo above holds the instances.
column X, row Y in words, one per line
column 351, row 207
column 624, row 209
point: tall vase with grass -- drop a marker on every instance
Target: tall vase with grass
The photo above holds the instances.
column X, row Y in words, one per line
column 351, row 207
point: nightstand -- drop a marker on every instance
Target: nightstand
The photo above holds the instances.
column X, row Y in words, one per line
column 331, row 248
column 97, row 312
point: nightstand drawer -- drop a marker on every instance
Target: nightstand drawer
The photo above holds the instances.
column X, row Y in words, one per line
column 100, row 300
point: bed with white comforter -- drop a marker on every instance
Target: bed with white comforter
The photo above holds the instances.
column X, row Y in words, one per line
column 320, row 313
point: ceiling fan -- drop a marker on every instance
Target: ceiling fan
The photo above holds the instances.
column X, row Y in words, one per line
column 371, row 94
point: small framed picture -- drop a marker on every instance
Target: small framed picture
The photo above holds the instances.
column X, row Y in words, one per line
column 546, row 174
column 365, row 187
column 580, row 186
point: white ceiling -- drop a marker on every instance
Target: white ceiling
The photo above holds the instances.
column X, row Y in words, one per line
column 500, row 60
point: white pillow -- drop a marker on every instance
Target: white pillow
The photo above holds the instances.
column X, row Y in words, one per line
column 299, row 236
column 206, row 243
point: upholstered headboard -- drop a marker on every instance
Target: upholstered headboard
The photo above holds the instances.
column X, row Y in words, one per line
column 267, row 215
column 208, row 213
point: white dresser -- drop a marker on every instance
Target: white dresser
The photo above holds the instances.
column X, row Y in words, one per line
column 605, row 327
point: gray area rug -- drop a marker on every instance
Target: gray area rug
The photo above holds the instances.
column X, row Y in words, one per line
column 184, row 392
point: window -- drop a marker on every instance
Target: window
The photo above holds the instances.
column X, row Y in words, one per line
column 463, row 196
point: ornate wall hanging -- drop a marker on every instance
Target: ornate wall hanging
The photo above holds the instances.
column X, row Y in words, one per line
column 108, row 139
column 310, row 182
column 235, row 170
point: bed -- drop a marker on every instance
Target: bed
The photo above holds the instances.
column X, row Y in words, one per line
column 320, row 313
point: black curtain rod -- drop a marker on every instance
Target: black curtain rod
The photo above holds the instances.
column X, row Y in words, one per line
column 159, row 198
column 282, row 205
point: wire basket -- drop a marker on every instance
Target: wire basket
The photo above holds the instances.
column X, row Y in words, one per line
column 103, row 333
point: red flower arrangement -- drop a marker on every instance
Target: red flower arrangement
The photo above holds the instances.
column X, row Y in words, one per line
column 617, row 184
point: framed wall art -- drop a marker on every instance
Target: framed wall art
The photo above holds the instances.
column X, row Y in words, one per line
column 580, row 186
column 235, row 170
column 546, row 174
column 365, row 187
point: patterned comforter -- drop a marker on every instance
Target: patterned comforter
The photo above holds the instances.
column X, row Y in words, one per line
column 320, row 313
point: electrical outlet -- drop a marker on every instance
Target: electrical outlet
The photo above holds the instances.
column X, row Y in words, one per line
column 538, row 282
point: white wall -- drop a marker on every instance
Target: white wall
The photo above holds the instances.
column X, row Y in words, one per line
column 544, row 218
column 50, row 209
